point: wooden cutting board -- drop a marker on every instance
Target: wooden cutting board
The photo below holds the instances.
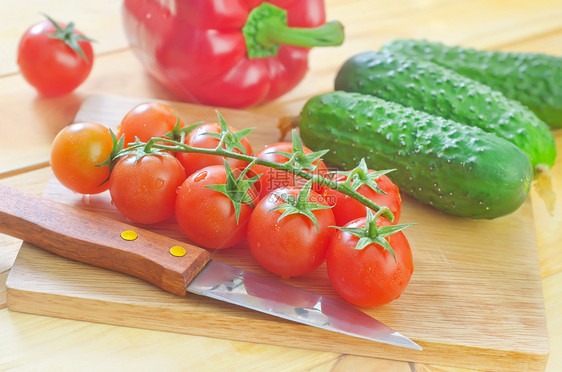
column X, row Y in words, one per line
column 475, row 299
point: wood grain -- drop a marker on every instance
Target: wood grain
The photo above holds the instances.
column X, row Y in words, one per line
column 28, row 124
column 468, row 314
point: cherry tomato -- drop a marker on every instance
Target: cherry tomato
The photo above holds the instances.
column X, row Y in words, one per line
column 292, row 246
column 49, row 63
column 272, row 179
column 147, row 120
column 207, row 217
column 371, row 276
column 145, row 191
column 75, row 152
column 192, row 162
column 346, row 208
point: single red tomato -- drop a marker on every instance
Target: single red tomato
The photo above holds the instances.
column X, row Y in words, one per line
column 347, row 209
column 272, row 178
column 292, row 246
column 147, row 120
column 54, row 58
column 75, row 153
column 145, row 190
column 193, row 162
column 369, row 276
column 207, row 217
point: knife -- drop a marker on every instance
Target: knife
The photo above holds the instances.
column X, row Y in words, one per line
column 175, row 266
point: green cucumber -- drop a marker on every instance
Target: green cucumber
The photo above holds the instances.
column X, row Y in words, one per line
column 457, row 169
column 532, row 79
column 439, row 91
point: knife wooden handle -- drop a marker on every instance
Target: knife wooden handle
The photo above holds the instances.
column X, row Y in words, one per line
column 90, row 238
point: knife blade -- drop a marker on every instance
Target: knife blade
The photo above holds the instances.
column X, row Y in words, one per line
column 175, row 266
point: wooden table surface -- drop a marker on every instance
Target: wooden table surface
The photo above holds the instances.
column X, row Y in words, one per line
column 28, row 124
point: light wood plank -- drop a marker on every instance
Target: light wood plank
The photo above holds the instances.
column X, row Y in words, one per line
column 552, row 286
column 42, row 342
column 509, row 25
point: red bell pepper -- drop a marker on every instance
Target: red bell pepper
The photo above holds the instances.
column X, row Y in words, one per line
column 232, row 53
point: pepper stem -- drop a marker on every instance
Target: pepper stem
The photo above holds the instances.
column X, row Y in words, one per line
column 329, row 34
column 266, row 29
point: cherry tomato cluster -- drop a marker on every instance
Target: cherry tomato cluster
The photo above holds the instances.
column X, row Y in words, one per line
column 291, row 224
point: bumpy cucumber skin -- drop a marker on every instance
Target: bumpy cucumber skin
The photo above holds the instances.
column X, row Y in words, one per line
column 439, row 91
column 532, row 79
column 457, row 169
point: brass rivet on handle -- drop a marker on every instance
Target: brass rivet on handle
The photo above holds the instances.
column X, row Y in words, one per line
column 178, row 251
column 129, row 235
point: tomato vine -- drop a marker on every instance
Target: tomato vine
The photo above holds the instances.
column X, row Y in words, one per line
column 298, row 163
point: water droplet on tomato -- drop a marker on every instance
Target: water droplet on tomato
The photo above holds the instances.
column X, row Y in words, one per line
column 201, row 176
column 159, row 183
